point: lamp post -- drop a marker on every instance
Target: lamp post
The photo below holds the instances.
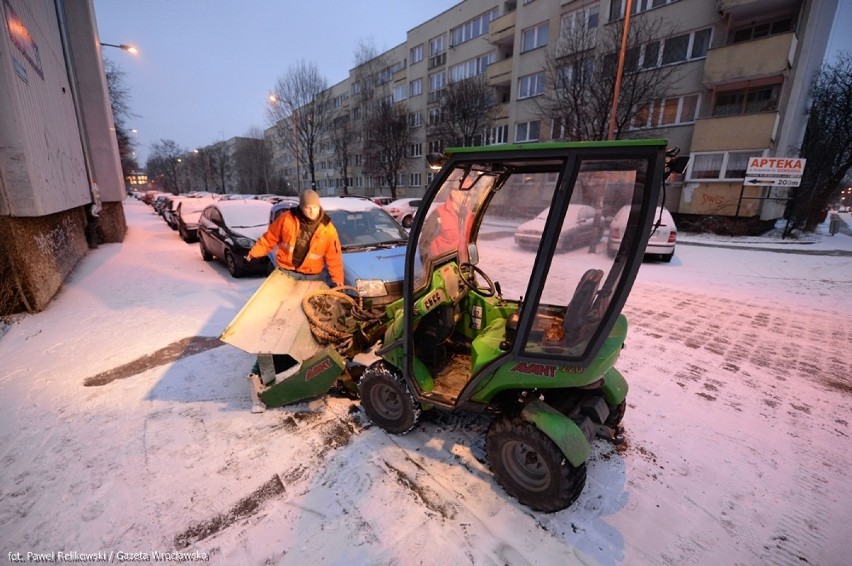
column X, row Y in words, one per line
column 275, row 100
column 123, row 46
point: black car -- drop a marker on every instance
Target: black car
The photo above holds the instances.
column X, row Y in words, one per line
column 229, row 228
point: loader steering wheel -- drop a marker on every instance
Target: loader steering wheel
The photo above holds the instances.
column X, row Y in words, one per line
column 468, row 276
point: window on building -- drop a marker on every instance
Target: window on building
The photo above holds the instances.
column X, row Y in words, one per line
column 415, row 87
column 472, row 28
column 434, row 116
column 667, row 112
column 415, row 150
column 416, row 54
column 721, row 165
column 531, row 85
column 471, row 67
column 748, row 100
column 415, row 120
column 534, row 37
column 415, row 179
column 437, row 81
column 436, row 46
column 436, row 146
column 400, row 93
column 527, row 131
column 617, row 7
column 497, row 135
column 578, row 21
column 756, row 31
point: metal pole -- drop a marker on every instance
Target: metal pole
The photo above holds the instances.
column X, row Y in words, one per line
column 620, row 70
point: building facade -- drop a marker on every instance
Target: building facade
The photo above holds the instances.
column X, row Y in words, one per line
column 738, row 74
column 61, row 185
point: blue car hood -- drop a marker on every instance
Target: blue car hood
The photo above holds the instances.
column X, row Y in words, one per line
column 385, row 264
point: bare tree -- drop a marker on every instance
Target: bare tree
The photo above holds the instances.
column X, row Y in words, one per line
column 580, row 77
column 253, row 161
column 220, row 166
column 467, row 110
column 300, row 110
column 387, row 137
column 162, row 164
column 119, row 96
column 827, row 144
column 342, row 135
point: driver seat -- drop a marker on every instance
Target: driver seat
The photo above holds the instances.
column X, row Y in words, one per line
column 575, row 323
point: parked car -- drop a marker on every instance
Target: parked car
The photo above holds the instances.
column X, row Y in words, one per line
column 187, row 215
column 663, row 234
column 228, row 229
column 578, row 229
column 373, row 245
column 382, row 201
column 403, row 210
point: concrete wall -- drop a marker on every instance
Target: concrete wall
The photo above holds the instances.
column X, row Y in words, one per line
column 57, row 142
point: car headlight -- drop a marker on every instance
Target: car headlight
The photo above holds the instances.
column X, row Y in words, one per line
column 371, row 287
column 244, row 242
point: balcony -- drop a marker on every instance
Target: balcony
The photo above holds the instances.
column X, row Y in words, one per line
column 756, row 59
column 730, row 133
column 745, row 9
column 500, row 72
column 502, row 30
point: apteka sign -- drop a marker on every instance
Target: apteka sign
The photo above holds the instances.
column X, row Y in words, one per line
column 775, row 166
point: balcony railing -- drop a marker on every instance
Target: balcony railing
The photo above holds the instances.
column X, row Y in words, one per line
column 759, row 58
column 500, row 72
column 502, row 30
column 742, row 131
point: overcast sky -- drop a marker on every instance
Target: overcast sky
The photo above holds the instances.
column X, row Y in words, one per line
column 205, row 67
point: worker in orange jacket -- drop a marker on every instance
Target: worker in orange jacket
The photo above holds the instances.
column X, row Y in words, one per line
column 307, row 241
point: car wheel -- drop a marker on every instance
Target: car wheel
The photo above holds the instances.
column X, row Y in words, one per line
column 667, row 258
column 567, row 244
column 387, row 400
column 205, row 254
column 407, row 221
column 182, row 233
column 231, row 262
column 530, row 466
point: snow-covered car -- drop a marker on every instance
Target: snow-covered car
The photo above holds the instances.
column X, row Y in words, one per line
column 373, row 246
column 228, row 229
column 663, row 233
column 578, row 229
column 187, row 214
column 403, row 210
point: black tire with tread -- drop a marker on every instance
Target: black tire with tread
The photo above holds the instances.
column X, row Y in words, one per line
column 387, row 400
column 231, row 262
column 530, row 466
column 205, row 254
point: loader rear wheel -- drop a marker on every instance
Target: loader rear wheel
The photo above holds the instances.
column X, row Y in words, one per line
column 387, row 400
column 530, row 466
column 616, row 413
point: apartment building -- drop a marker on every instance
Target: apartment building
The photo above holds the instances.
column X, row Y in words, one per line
column 737, row 78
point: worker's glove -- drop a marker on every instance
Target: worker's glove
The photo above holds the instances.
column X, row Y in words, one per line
column 248, row 257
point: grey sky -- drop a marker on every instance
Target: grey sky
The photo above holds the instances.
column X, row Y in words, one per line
column 206, row 66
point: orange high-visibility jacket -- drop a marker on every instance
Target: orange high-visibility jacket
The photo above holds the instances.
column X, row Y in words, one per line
column 324, row 248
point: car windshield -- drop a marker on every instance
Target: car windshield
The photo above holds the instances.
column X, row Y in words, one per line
column 246, row 216
column 366, row 228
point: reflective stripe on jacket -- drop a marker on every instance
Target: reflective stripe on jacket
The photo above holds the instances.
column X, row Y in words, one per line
column 324, row 248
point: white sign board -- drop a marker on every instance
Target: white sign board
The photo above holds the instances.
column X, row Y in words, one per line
column 775, row 167
column 773, row 181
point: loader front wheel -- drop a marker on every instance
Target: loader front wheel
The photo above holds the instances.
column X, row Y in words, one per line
column 387, row 400
column 530, row 466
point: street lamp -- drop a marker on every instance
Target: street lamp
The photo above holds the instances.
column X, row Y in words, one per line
column 124, row 47
column 275, row 100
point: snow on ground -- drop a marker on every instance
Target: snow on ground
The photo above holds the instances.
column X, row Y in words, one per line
column 737, row 443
